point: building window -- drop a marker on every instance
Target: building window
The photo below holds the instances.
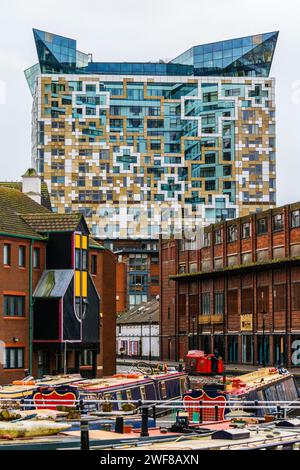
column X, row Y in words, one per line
column 193, row 267
column 206, row 239
column 14, row 358
column 232, row 233
column 233, row 349
column 182, row 304
column 181, row 269
column 86, row 357
column 296, row 296
column 14, row 306
column 206, row 303
column 84, row 259
column 247, row 300
column 77, row 259
column 219, row 303
column 232, row 297
column 295, row 219
column 22, row 256
column 279, row 296
column 262, row 226
column 247, row 349
column 155, row 280
column 6, row 254
column 94, row 264
column 277, row 222
column 169, row 313
column 262, row 299
column 246, row 230
column 218, row 236
column 36, row 258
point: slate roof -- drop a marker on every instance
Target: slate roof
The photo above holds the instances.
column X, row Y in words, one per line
column 53, row 283
column 140, row 314
column 45, row 196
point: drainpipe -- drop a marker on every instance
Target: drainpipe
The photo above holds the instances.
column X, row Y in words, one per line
column 30, row 308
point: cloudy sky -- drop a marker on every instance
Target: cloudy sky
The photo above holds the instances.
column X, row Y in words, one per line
column 140, row 30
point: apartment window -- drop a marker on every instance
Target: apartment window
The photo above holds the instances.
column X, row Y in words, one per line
column 6, row 254
column 277, row 222
column 219, row 303
column 14, row 306
column 36, row 257
column 206, row 303
column 295, row 219
column 262, row 226
column 246, row 230
column 218, row 236
column 94, row 264
column 14, row 358
column 232, row 233
column 22, row 256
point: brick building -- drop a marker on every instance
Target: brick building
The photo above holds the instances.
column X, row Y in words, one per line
column 54, row 282
column 238, row 292
column 137, row 279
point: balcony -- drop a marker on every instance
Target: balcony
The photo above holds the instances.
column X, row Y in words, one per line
column 204, row 319
column 213, row 319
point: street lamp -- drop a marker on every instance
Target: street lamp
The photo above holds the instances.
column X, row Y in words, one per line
column 263, row 335
column 150, row 339
column 193, row 330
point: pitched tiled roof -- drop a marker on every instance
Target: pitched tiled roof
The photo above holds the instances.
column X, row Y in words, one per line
column 53, row 222
column 142, row 313
column 45, row 196
column 94, row 244
column 13, row 203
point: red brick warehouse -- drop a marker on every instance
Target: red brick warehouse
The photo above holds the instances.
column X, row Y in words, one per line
column 238, row 293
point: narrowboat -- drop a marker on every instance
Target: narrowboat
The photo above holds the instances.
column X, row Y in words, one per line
column 268, row 386
column 69, row 390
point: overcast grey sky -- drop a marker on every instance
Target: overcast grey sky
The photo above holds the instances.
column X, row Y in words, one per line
column 141, row 30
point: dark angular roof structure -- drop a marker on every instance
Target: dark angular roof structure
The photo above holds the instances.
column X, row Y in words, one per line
column 246, row 56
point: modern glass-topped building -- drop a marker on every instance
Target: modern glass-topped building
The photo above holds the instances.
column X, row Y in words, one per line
column 134, row 146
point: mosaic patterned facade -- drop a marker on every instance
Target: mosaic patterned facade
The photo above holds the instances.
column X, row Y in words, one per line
column 137, row 153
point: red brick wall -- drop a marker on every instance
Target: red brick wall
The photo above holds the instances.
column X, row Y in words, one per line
column 287, row 273
column 121, row 287
column 14, row 280
column 105, row 282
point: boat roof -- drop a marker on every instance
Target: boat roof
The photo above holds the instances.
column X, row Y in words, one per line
column 122, row 380
column 257, row 379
